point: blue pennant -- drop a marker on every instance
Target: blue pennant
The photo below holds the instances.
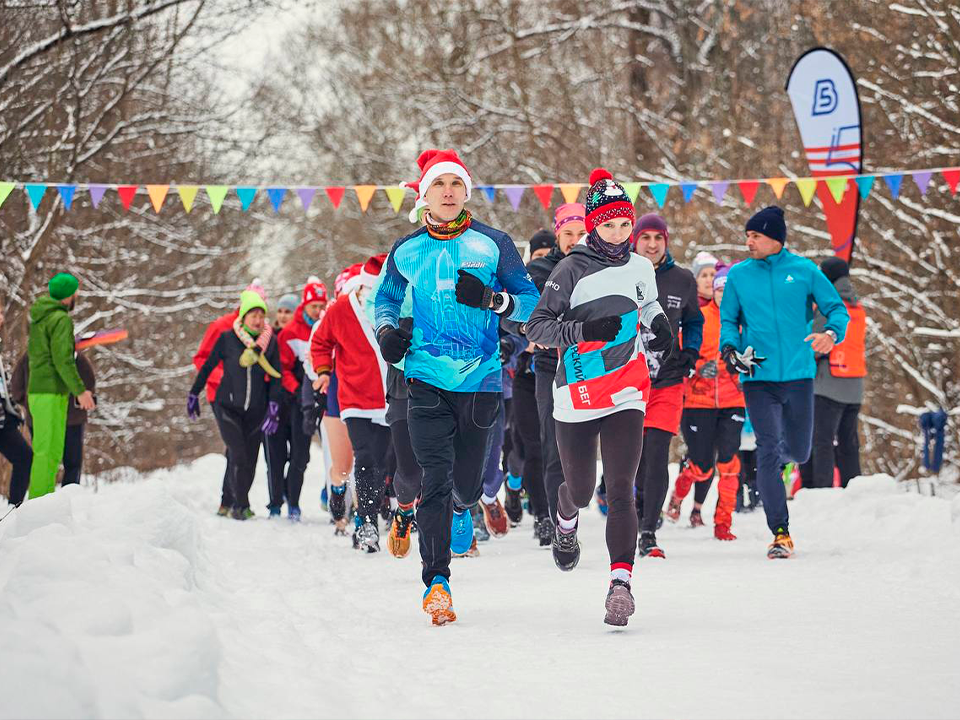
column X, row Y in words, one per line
column 66, row 194
column 35, row 191
column 893, row 182
column 246, row 195
column 688, row 190
column 276, row 197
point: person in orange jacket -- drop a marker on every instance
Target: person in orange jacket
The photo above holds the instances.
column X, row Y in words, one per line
column 712, row 422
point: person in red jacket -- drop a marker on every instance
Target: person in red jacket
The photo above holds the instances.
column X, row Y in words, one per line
column 712, row 423
column 210, row 336
column 294, row 346
column 345, row 341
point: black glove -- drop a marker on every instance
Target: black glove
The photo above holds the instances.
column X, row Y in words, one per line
column 745, row 363
column 394, row 343
column 605, row 329
column 688, row 362
column 663, row 340
column 472, row 292
column 709, row 370
column 506, row 350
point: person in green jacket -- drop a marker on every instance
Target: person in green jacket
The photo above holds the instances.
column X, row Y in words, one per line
column 53, row 378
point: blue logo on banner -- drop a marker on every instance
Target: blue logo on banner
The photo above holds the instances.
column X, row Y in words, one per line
column 824, row 97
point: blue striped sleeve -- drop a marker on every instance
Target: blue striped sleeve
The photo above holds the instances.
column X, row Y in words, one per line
column 390, row 294
column 515, row 279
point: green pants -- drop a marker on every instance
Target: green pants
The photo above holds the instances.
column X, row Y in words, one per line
column 49, row 429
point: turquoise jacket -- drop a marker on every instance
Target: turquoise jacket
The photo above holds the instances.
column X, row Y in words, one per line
column 769, row 304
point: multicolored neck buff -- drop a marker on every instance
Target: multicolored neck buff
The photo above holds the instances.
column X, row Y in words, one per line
column 605, row 249
column 448, row 230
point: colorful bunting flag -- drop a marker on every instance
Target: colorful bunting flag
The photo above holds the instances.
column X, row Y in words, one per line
column 543, row 193
column 719, row 190
column 126, row 193
column 66, row 194
column 570, row 192
column 951, row 176
column 335, row 194
column 865, row 185
column 96, row 194
column 217, row 193
column 778, row 184
column 246, row 195
column 489, row 192
column 632, row 190
column 35, row 191
column 748, row 188
column 306, row 197
column 807, row 187
column 659, row 192
column 837, row 187
column 893, row 182
column 276, row 196
column 514, row 193
column 187, row 193
column 364, row 194
column 157, row 193
column 5, row 189
column 395, row 196
column 922, row 179
column 688, row 190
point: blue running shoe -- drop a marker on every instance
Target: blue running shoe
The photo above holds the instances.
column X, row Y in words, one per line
column 293, row 514
column 323, row 499
column 461, row 532
column 274, row 511
column 437, row 601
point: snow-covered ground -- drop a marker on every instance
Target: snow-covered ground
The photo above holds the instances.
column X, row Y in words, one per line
column 138, row 602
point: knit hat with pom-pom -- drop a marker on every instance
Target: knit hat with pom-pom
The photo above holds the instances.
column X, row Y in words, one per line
column 314, row 291
column 606, row 200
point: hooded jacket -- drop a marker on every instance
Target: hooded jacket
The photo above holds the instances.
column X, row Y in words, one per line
column 722, row 391
column 294, row 343
column 20, row 380
column 242, row 389
column 677, row 294
column 210, row 336
column 50, row 348
column 847, row 390
column 545, row 360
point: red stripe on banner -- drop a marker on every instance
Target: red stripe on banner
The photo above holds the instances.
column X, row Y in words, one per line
column 831, row 173
column 851, row 146
column 835, row 160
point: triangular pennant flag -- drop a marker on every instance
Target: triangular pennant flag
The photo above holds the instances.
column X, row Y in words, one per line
column 688, row 189
column 748, row 188
column 865, row 185
column 719, row 190
column 893, row 182
column 543, row 193
column 922, row 179
column 5, row 189
column 216, row 193
column 489, row 192
column 632, row 190
column 188, row 194
column 364, row 194
column 659, row 192
column 807, row 187
column 246, row 195
column 96, row 193
column 778, row 184
column 395, row 196
column 514, row 193
column 570, row 192
column 276, row 196
column 157, row 193
column 837, row 186
column 306, row 197
column 126, row 193
column 35, row 191
column 66, row 194
column 335, row 194
column 951, row 176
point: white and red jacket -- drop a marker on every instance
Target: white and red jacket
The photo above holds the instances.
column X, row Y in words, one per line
column 347, row 333
column 294, row 342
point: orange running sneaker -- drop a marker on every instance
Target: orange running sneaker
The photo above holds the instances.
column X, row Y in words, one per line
column 398, row 539
column 438, row 603
column 781, row 547
column 496, row 518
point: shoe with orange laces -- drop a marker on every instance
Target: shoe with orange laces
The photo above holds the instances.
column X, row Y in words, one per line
column 495, row 518
column 673, row 509
column 398, row 540
column 782, row 545
column 438, row 603
column 722, row 532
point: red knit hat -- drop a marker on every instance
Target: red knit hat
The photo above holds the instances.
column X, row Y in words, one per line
column 606, row 200
column 433, row 164
column 314, row 291
column 371, row 269
column 347, row 280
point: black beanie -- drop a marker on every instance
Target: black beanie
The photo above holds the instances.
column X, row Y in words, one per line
column 834, row 268
column 769, row 222
column 542, row 239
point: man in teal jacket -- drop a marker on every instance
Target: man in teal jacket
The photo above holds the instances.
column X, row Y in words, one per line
column 765, row 334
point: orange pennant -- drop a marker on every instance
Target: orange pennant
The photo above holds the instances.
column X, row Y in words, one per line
column 778, row 184
column 364, row 194
column 570, row 192
column 158, row 194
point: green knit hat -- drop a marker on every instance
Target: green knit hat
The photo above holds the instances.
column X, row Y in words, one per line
column 249, row 300
column 62, row 286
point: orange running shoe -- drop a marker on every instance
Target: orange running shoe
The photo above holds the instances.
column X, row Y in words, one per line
column 398, row 539
column 781, row 547
column 495, row 518
column 438, row 603
column 722, row 532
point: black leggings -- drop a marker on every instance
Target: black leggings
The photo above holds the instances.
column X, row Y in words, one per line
column 17, row 451
column 369, row 442
column 552, row 468
column 620, row 436
column 72, row 454
column 653, row 477
column 242, row 435
column 408, row 478
column 526, row 421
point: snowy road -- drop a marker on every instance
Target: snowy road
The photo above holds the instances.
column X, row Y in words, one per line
column 139, row 602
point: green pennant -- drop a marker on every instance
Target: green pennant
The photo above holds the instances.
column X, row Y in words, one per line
column 5, row 189
column 838, row 186
column 216, row 193
column 632, row 190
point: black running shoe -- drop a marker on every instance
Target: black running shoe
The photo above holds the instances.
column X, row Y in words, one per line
column 566, row 549
column 545, row 532
column 338, row 504
column 620, row 604
column 648, row 546
column 513, row 507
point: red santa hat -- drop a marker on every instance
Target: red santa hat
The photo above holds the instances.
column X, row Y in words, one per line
column 371, row 269
column 347, row 280
column 433, row 164
column 314, row 291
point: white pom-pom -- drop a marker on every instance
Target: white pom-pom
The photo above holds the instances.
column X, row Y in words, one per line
column 313, row 280
column 256, row 281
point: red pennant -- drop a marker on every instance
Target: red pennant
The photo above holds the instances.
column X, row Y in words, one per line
column 335, row 194
column 543, row 193
column 748, row 188
column 952, row 177
column 126, row 193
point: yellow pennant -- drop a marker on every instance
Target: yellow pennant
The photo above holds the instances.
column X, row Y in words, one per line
column 364, row 194
column 778, row 184
column 838, row 186
column 570, row 192
column 158, row 194
column 807, row 187
column 188, row 193
column 395, row 195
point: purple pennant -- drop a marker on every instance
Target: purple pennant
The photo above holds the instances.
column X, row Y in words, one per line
column 96, row 193
column 306, row 197
column 514, row 193
column 922, row 179
column 719, row 190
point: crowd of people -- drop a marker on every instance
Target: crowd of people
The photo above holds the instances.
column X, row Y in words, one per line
column 446, row 372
